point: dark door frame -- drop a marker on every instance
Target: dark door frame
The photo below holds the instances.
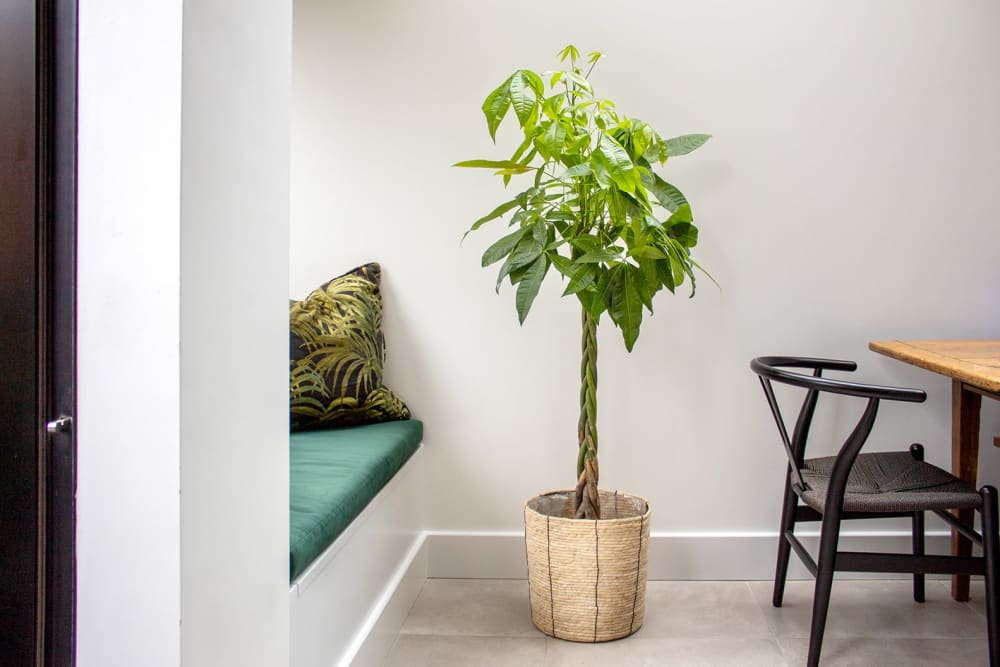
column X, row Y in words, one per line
column 19, row 408
column 38, row 352
column 57, row 112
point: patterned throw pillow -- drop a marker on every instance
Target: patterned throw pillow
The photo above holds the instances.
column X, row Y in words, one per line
column 337, row 354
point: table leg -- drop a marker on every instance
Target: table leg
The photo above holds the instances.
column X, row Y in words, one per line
column 965, row 407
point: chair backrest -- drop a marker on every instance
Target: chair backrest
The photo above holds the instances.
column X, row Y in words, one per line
column 774, row 369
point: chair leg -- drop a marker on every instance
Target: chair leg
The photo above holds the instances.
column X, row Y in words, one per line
column 917, row 452
column 784, row 548
column 991, row 552
column 828, row 540
column 918, row 550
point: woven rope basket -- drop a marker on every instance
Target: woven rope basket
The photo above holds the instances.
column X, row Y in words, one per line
column 586, row 578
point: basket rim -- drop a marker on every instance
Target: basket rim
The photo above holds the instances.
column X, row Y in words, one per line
column 639, row 517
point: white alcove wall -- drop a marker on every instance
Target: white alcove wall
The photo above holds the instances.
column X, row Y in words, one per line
column 182, row 504
column 846, row 196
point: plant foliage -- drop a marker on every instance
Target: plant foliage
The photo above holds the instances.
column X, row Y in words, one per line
column 595, row 209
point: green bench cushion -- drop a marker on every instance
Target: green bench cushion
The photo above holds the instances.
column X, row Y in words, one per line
column 334, row 474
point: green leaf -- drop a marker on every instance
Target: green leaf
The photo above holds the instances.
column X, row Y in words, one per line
column 638, row 193
column 525, row 252
column 639, row 139
column 597, row 255
column 495, row 107
column 535, row 81
column 564, row 265
column 657, row 150
column 613, row 157
column 502, row 248
column 580, row 170
column 579, row 80
column 650, row 282
column 522, row 95
column 665, row 273
column 582, row 278
column 632, row 312
column 527, row 289
column 600, row 171
column 561, row 216
column 505, row 270
column 507, row 172
column 552, row 105
column 592, row 301
column 570, row 52
column 516, row 157
column 529, row 157
column 550, row 142
column 624, row 302
column 493, row 164
column 702, row 269
column 685, row 233
column 494, row 214
column 677, row 268
column 583, row 242
column 540, row 232
column 529, row 197
column 647, row 252
column 682, row 214
column 669, row 197
column 517, row 274
column 686, row 143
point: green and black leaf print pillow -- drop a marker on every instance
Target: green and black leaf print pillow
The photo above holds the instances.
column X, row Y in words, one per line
column 337, row 354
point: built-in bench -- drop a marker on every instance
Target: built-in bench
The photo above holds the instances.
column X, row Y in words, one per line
column 356, row 542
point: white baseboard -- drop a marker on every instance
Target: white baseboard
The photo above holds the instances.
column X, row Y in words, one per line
column 678, row 556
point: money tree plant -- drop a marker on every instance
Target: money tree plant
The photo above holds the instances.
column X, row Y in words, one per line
column 595, row 211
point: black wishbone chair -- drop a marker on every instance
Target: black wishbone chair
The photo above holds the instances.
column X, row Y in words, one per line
column 852, row 485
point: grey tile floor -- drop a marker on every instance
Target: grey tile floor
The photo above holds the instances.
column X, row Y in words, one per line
column 487, row 622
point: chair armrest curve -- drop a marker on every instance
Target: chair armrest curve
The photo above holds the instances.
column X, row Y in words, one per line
column 768, row 367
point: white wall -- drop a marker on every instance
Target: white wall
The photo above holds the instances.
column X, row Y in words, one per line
column 234, row 333
column 847, row 195
column 128, row 512
column 183, row 264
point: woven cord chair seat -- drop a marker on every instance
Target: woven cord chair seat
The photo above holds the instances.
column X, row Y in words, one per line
column 889, row 482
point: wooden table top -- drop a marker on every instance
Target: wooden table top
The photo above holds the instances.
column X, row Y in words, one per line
column 976, row 362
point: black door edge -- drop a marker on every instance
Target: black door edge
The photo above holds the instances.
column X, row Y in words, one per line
column 57, row 194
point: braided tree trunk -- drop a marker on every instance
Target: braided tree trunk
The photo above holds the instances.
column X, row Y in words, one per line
column 588, row 504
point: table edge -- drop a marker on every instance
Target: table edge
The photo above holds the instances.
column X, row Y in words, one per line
column 957, row 373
